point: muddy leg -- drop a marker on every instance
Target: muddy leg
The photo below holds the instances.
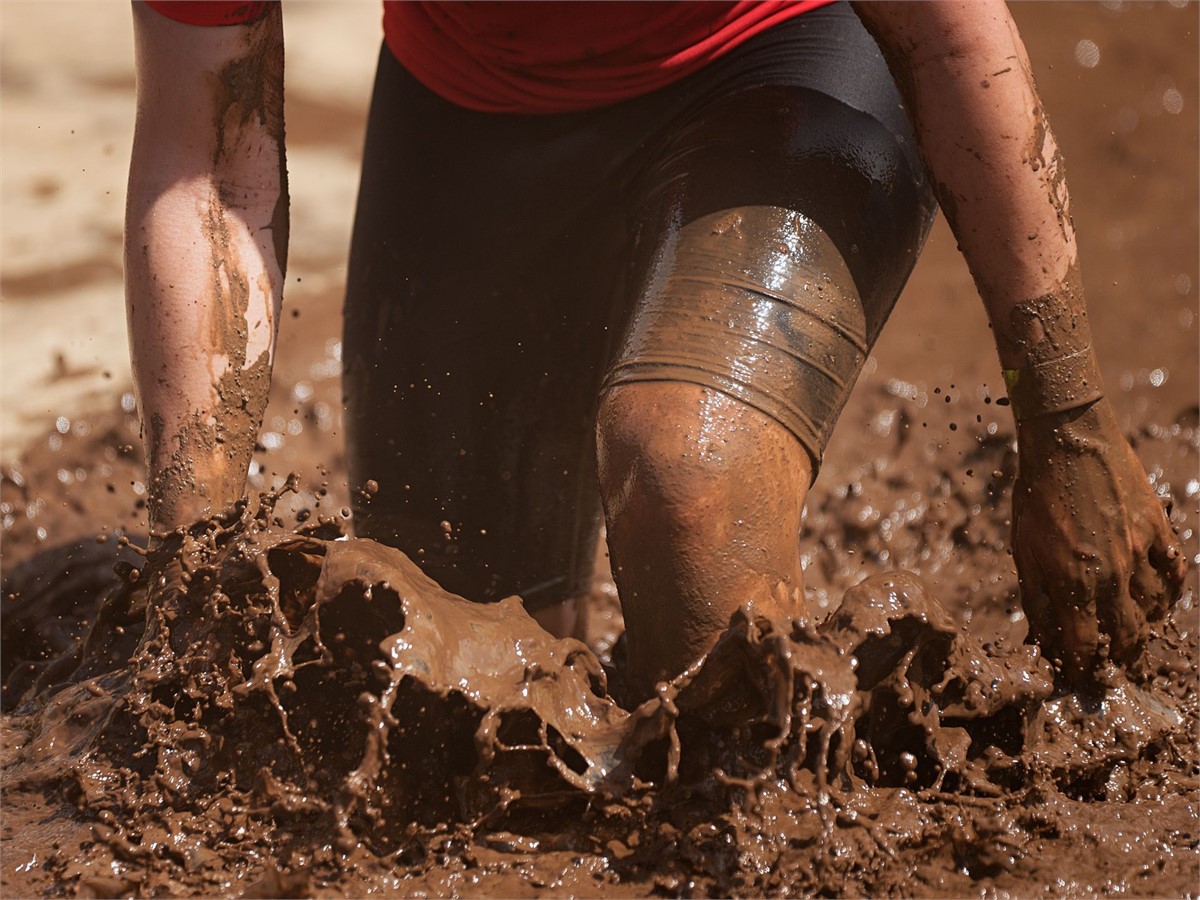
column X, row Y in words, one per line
column 703, row 497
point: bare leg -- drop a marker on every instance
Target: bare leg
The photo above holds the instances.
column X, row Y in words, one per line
column 703, row 497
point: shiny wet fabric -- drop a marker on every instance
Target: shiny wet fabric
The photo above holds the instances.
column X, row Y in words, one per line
column 504, row 268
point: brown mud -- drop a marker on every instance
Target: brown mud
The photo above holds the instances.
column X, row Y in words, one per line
column 311, row 716
column 308, row 714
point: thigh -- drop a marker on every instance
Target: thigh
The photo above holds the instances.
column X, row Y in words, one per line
column 476, row 329
column 788, row 209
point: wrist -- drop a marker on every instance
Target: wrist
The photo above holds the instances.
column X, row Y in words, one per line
column 192, row 484
column 1043, row 440
column 1050, row 388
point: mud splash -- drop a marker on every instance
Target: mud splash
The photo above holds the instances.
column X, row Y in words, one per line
column 303, row 713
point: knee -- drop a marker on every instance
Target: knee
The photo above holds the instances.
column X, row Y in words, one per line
column 685, row 454
column 651, row 448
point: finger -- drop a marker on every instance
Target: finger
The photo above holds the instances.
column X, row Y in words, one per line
column 1044, row 626
column 1041, row 630
column 1034, row 601
column 1080, row 646
column 1168, row 559
column 1160, row 573
column 1074, row 609
column 1152, row 586
column 1044, row 602
column 1125, row 624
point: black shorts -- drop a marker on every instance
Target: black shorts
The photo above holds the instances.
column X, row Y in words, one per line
column 504, row 267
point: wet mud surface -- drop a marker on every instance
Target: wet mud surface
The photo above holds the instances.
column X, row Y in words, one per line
column 306, row 714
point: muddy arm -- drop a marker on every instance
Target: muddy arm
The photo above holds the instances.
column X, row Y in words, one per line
column 1094, row 552
column 965, row 78
column 205, row 252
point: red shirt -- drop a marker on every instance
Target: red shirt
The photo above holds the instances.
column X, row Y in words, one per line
column 520, row 57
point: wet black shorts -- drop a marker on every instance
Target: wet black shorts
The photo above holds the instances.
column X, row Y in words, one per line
column 747, row 229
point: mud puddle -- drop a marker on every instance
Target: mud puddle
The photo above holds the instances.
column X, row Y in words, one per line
column 308, row 714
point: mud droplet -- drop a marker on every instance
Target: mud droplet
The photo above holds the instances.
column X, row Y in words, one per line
column 1087, row 54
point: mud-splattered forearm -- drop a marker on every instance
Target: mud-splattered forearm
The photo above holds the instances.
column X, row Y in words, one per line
column 1000, row 178
column 1095, row 554
column 206, row 244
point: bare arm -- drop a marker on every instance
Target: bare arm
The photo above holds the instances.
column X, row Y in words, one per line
column 1093, row 548
column 205, row 253
column 965, row 77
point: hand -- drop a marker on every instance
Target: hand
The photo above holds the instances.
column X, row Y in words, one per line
column 1095, row 554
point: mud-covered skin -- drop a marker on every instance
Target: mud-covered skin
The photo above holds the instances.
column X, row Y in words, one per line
column 1051, row 337
column 200, row 442
column 249, row 93
column 1092, row 543
column 756, row 302
column 734, row 368
column 1096, row 554
column 691, row 537
column 995, row 165
column 1087, row 530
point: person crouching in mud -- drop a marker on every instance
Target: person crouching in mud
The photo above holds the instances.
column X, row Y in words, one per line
column 657, row 240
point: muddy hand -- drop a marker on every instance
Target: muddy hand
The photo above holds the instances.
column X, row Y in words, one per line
column 1095, row 554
